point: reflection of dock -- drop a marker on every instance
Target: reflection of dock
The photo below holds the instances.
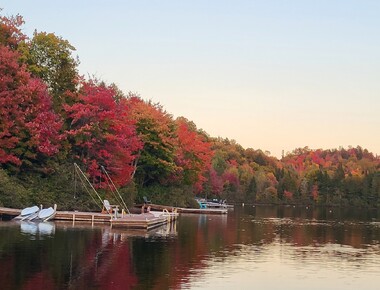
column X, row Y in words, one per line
column 167, row 230
column 41, row 229
column 133, row 221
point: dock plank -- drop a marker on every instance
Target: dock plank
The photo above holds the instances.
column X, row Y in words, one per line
column 10, row 211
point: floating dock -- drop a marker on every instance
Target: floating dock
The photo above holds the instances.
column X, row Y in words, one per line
column 203, row 210
column 133, row 221
column 139, row 221
column 93, row 217
column 185, row 210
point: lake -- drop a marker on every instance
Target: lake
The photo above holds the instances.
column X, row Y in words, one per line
column 260, row 247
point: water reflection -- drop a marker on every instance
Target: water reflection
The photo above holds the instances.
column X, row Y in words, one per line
column 282, row 266
column 41, row 229
column 251, row 247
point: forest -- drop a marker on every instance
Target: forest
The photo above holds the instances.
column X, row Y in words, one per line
column 52, row 117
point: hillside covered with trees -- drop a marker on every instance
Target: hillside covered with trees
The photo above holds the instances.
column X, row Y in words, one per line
column 52, row 117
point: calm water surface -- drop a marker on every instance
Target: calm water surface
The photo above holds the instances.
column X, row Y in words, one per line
column 250, row 248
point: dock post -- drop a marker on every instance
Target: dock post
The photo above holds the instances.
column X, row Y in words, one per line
column 92, row 220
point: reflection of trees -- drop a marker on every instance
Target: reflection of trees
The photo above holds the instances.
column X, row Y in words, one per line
column 105, row 259
column 302, row 231
column 107, row 266
column 29, row 258
column 301, row 226
column 166, row 265
column 72, row 260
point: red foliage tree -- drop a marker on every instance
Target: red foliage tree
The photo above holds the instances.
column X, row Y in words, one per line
column 288, row 194
column 28, row 125
column 102, row 132
column 216, row 182
column 10, row 32
column 315, row 192
column 193, row 154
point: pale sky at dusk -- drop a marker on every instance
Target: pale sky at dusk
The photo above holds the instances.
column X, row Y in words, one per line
column 272, row 75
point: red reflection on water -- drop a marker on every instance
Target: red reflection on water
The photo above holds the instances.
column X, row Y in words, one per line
column 107, row 266
column 118, row 272
column 40, row 280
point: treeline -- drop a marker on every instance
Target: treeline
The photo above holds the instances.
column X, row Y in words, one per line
column 338, row 177
column 51, row 117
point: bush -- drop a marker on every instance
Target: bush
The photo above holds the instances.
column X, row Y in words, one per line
column 12, row 193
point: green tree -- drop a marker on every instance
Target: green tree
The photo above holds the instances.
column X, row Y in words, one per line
column 375, row 187
column 50, row 58
column 156, row 129
column 219, row 163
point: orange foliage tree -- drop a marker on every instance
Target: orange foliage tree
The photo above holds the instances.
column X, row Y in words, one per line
column 193, row 154
column 156, row 128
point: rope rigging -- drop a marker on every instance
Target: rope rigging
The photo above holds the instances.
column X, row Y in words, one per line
column 84, row 178
column 113, row 188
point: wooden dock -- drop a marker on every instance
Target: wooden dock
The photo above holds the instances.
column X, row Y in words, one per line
column 133, row 221
column 139, row 221
column 93, row 217
column 203, row 210
column 185, row 210
column 9, row 211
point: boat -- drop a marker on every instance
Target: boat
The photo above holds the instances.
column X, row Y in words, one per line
column 220, row 204
column 27, row 213
column 45, row 214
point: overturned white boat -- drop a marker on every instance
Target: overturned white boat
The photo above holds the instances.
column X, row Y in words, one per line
column 28, row 213
column 45, row 214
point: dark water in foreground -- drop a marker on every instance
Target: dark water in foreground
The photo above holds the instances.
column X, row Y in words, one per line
column 250, row 248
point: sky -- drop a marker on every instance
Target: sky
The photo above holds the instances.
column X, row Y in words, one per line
column 271, row 75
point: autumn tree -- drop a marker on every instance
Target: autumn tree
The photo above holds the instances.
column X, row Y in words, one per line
column 231, row 182
column 193, row 154
column 156, row 129
column 10, row 31
column 102, row 132
column 246, row 176
column 29, row 129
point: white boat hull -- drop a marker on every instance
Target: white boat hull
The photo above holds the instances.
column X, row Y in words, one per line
column 27, row 213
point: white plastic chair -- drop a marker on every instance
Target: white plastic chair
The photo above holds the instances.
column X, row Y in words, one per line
column 109, row 208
